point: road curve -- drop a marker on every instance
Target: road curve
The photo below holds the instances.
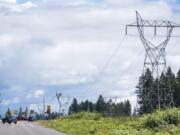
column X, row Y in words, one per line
column 25, row 128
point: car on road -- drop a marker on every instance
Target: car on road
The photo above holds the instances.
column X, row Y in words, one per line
column 9, row 119
column 22, row 118
column 31, row 118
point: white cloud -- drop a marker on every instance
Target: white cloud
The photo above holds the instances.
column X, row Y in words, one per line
column 124, row 2
column 39, row 93
column 8, row 102
column 8, row 7
column 9, row 1
column 28, row 4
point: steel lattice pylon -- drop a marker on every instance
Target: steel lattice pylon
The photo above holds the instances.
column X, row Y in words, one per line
column 155, row 56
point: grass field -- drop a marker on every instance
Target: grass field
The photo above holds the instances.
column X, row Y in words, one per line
column 159, row 123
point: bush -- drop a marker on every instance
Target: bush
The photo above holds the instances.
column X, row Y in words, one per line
column 86, row 115
column 172, row 117
column 162, row 118
column 152, row 122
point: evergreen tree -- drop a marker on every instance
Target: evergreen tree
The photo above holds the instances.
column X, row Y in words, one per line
column 152, row 92
column 178, row 76
column 170, row 88
column 86, row 106
column 20, row 112
column 177, row 90
column 91, row 107
column 109, row 107
column 74, row 106
column 100, row 105
column 127, row 108
column 121, row 109
column 145, row 93
column 81, row 107
column 163, row 89
column 8, row 112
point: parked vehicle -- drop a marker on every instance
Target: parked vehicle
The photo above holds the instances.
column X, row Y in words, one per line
column 9, row 119
column 31, row 118
column 22, row 118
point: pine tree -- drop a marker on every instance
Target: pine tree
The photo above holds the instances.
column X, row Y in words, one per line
column 109, row 107
column 20, row 112
column 74, row 107
column 178, row 77
column 146, row 93
column 8, row 112
column 100, row 105
column 86, row 104
column 170, row 87
column 127, row 108
column 121, row 109
column 91, row 107
column 177, row 90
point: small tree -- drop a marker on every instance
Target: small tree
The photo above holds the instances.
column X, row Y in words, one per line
column 8, row 112
column 26, row 112
column 74, row 107
column 100, row 105
column 127, row 108
column 20, row 112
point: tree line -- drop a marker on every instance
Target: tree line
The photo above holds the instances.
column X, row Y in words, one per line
column 108, row 108
column 158, row 93
column 19, row 113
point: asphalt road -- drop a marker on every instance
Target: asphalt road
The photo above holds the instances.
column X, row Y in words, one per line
column 25, row 128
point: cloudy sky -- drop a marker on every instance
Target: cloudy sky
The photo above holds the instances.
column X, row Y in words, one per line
column 77, row 47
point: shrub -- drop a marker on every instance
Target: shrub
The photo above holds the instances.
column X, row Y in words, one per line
column 172, row 117
column 86, row 115
column 152, row 122
column 162, row 118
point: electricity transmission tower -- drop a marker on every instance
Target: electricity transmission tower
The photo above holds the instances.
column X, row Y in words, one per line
column 58, row 96
column 155, row 56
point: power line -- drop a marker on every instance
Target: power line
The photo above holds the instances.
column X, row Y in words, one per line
column 107, row 63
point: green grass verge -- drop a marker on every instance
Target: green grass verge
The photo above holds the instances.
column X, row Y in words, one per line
column 159, row 123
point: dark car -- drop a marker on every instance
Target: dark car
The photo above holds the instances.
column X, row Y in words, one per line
column 9, row 119
column 22, row 118
column 31, row 118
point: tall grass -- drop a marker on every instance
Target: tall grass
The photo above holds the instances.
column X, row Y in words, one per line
column 165, row 122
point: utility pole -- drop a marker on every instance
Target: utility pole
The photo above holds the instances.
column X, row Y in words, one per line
column 155, row 56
